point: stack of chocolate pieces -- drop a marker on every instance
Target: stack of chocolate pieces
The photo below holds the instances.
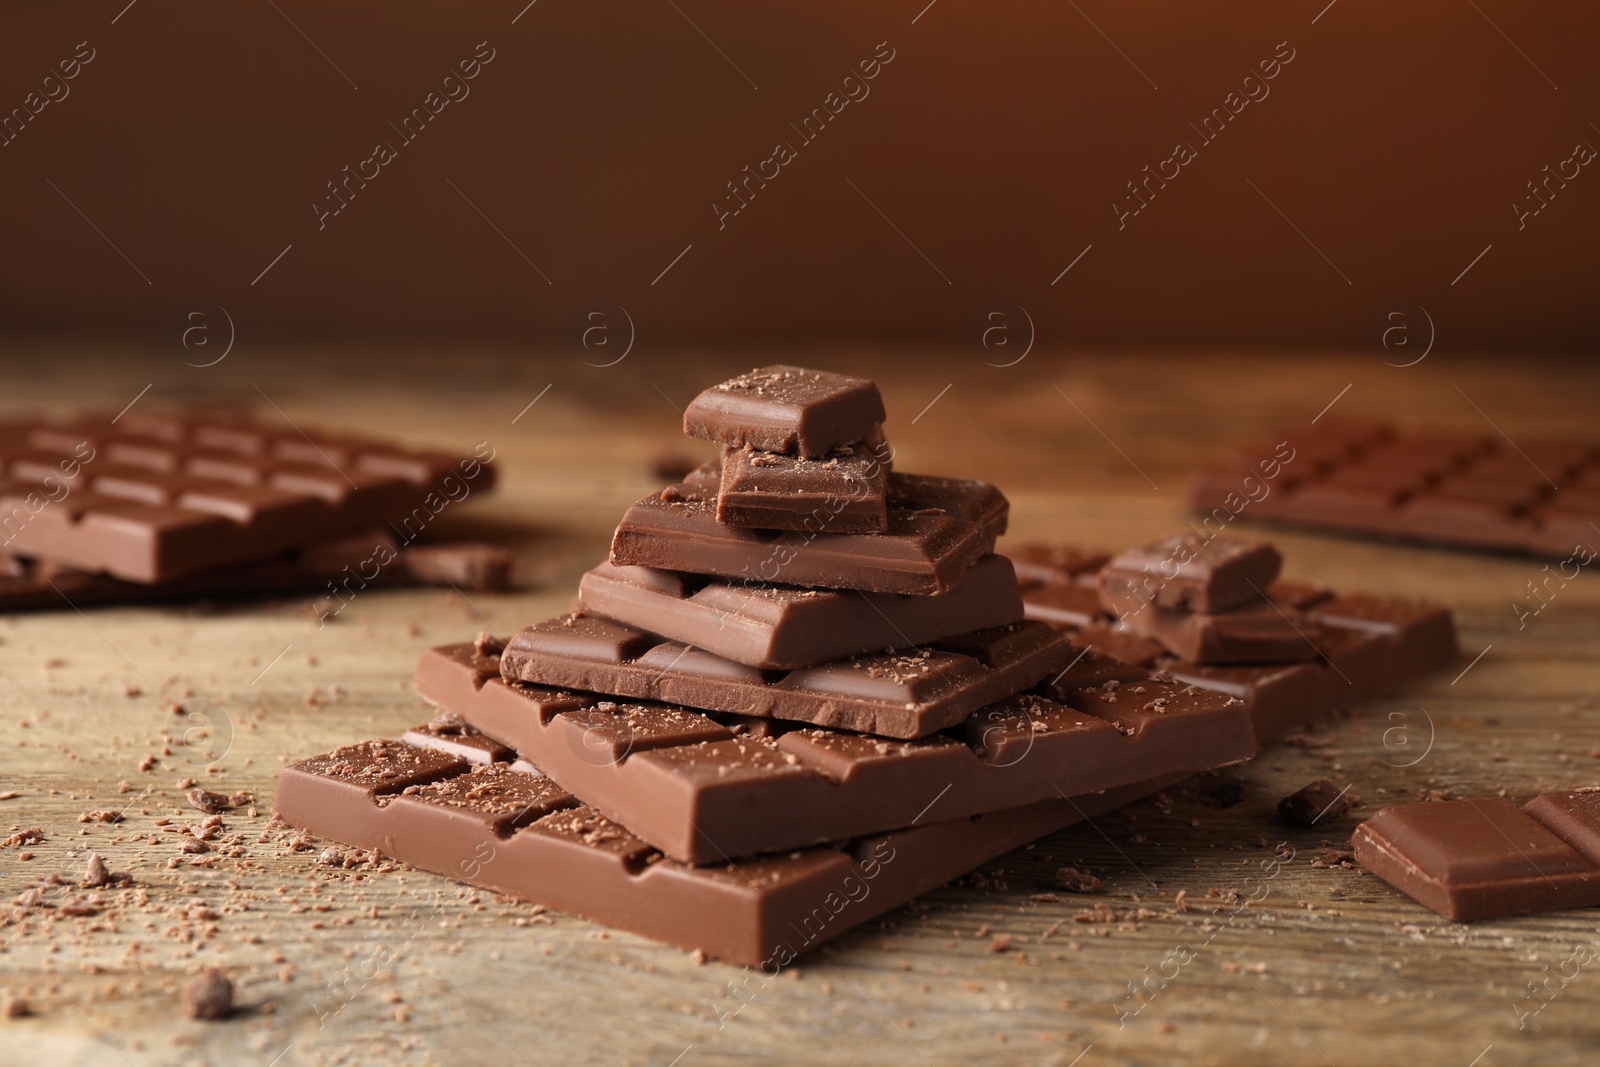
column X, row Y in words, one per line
column 1211, row 611
column 751, row 738
column 143, row 507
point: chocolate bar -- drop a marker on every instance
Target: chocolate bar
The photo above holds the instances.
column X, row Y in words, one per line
column 340, row 569
column 782, row 628
column 520, row 834
column 1186, row 572
column 1485, row 858
column 906, row 693
column 1465, row 490
column 786, row 409
column 704, row 787
column 845, row 491
column 937, row 528
column 150, row 498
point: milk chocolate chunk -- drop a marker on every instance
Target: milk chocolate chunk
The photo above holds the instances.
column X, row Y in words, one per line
column 700, row 787
column 1187, row 572
column 1485, row 857
column 786, row 409
column 493, row 826
column 845, row 491
column 937, row 527
column 905, row 693
column 1321, row 801
column 781, row 627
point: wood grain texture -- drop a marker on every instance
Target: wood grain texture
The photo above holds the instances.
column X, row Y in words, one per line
column 1326, row 965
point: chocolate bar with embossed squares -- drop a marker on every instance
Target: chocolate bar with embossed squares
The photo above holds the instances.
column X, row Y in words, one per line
column 905, row 693
column 709, row 786
column 153, row 497
column 502, row 826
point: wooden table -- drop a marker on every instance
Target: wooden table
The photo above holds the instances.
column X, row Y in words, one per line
column 1331, row 966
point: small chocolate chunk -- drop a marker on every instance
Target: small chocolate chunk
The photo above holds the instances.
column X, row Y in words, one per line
column 209, row 996
column 95, row 874
column 207, row 801
column 1075, row 881
column 786, row 409
column 1320, row 801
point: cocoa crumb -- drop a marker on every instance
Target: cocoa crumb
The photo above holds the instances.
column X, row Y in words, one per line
column 1075, row 881
column 207, row 801
column 23, row 837
column 95, row 875
column 209, row 997
column 1319, row 801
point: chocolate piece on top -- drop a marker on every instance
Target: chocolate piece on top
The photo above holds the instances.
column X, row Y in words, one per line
column 786, row 409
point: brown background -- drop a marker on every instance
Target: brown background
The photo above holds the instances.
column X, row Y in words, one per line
column 996, row 141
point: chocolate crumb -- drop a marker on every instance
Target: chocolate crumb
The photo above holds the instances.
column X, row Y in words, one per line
column 207, row 801
column 95, row 875
column 209, row 997
column 15, row 1006
column 1075, row 881
column 1319, row 801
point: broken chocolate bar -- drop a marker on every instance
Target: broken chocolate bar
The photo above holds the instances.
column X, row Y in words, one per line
column 514, row 832
column 786, row 409
column 704, row 787
column 783, row 628
column 937, row 528
column 906, row 693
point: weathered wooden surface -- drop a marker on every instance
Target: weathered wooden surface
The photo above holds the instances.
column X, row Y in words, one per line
column 1327, row 965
